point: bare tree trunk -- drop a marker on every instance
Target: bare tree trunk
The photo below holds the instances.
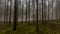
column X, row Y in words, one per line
column 22, row 10
column 26, row 11
column 37, row 23
column 29, row 10
column 15, row 14
column 42, row 10
column 33, row 4
column 52, row 9
column 48, row 10
column 56, row 11
column 10, row 12
column 5, row 12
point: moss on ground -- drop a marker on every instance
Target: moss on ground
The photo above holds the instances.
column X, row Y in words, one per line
column 24, row 28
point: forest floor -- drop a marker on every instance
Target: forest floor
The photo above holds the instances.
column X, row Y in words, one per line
column 30, row 28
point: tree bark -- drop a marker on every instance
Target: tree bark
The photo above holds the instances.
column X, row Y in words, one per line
column 10, row 12
column 15, row 14
column 26, row 11
column 37, row 23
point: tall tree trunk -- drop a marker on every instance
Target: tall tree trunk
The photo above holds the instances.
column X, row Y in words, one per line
column 29, row 11
column 22, row 10
column 15, row 14
column 52, row 9
column 10, row 12
column 5, row 12
column 42, row 10
column 26, row 11
column 37, row 23
column 48, row 10
column 33, row 4
column 56, row 11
